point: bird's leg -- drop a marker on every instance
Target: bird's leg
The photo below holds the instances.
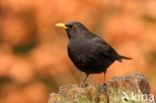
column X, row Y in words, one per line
column 84, row 81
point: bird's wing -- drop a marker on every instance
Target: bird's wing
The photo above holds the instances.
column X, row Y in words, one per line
column 105, row 49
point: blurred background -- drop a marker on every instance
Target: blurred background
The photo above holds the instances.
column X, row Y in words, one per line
column 33, row 52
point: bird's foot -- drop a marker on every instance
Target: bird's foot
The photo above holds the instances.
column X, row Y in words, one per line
column 84, row 85
column 104, row 84
column 103, row 88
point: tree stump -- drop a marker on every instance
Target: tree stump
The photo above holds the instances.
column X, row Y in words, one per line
column 133, row 88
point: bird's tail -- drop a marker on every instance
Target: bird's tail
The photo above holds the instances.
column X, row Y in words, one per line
column 121, row 57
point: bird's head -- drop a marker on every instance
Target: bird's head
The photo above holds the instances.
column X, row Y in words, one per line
column 73, row 29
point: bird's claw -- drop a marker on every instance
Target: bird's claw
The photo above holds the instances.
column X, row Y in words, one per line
column 84, row 85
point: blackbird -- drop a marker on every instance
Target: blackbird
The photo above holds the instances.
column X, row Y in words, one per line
column 88, row 51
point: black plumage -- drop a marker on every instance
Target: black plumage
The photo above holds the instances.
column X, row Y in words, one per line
column 88, row 51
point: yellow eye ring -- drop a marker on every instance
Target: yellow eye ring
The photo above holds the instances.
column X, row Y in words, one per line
column 74, row 27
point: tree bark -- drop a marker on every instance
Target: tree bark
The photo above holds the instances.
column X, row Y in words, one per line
column 133, row 88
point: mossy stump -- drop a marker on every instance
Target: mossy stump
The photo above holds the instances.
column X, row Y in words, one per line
column 133, row 88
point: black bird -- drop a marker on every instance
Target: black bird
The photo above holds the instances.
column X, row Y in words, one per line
column 89, row 52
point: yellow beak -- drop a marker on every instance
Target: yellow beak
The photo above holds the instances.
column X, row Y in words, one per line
column 61, row 25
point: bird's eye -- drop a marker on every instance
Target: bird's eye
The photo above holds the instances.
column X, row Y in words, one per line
column 74, row 27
